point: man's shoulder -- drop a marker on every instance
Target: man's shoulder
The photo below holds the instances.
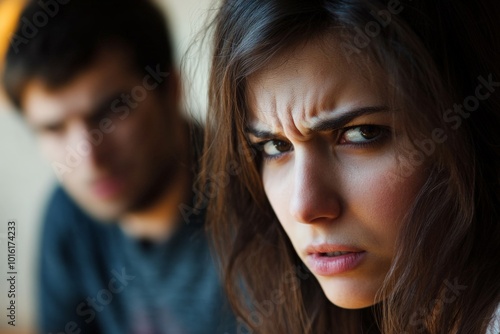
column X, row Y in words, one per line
column 63, row 213
column 59, row 196
column 67, row 228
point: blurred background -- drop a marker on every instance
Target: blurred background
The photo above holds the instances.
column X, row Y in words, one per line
column 26, row 179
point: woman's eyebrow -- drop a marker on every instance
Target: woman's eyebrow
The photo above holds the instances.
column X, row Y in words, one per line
column 334, row 123
column 345, row 118
column 261, row 134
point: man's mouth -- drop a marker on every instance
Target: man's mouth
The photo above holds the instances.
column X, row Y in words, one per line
column 107, row 187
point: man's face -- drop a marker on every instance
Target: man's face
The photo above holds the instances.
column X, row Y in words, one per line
column 110, row 134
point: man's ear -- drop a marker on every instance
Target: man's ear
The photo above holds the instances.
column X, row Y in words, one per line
column 173, row 88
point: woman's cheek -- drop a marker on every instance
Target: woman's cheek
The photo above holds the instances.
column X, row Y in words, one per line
column 378, row 201
column 278, row 187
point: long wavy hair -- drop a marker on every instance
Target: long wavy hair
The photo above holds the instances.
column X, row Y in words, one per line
column 445, row 275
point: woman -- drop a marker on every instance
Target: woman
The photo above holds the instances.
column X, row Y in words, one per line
column 358, row 142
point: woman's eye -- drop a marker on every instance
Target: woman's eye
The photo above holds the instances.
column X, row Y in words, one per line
column 274, row 148
column 363, row 134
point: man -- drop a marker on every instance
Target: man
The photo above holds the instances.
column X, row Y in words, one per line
column 94, row 79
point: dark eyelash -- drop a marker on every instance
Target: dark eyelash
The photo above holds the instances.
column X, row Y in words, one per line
column 259, row 148
column 385, row 134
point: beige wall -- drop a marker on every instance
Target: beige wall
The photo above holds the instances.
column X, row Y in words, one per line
column 187, row 18
column 25, row 179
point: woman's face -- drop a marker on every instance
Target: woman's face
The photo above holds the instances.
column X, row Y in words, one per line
column 330, row 168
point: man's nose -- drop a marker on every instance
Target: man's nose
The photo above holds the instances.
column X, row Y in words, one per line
column 315, row 195
column 87, row 142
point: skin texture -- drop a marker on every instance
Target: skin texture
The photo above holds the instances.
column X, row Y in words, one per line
column 134, row 169
column 331, row 186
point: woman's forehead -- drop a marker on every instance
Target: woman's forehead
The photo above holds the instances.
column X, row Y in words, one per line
column 309, row 83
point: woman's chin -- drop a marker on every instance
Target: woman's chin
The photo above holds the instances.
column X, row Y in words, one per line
column 349, row 296
column 351, row 304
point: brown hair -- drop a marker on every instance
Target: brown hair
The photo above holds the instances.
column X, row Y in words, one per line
column 435, row 54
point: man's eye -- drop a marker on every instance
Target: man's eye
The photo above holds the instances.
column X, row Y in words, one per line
column 363, row 134
column 52, row 128
column 275, row 148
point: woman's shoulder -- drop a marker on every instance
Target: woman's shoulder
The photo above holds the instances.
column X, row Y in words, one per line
column 494, row 326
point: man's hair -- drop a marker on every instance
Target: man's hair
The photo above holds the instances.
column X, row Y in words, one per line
column 55, row 40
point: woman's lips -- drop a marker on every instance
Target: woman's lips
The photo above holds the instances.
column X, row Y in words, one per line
column 329, row 260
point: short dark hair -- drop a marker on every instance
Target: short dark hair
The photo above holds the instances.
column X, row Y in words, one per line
column 57, row 39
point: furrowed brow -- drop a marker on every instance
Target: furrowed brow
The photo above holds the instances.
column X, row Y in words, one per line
column 327, row 124
column 259, row 133
column 347, row 117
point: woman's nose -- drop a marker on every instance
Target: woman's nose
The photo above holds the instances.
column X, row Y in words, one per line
column 315, row 193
